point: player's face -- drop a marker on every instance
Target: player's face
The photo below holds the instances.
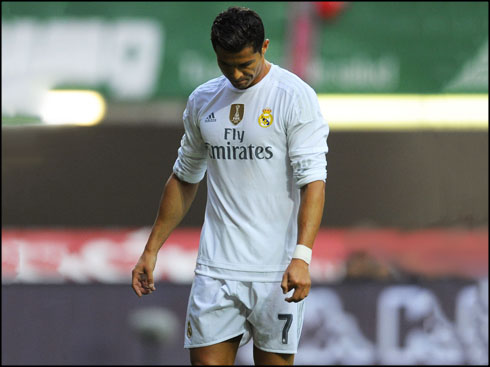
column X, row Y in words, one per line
column 245, row 68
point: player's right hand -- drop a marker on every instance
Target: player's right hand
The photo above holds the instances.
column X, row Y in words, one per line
column 142, row 275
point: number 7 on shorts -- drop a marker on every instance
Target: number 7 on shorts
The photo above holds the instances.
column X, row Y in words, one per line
column 289, row 319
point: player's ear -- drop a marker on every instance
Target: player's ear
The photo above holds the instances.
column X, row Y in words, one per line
column 265, row 45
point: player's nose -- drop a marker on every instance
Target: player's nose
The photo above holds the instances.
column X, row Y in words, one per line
column 236, row 74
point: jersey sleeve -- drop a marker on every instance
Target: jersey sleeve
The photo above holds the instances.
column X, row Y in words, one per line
column 190, row 165
column 307, row 139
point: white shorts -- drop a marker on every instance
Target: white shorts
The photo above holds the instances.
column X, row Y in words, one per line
column 221, row 309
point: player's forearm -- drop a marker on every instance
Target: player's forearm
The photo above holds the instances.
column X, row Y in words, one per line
column 176, row 200
column 310, row 212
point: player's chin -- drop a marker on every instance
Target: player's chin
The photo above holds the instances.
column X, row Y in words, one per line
column 244, row 84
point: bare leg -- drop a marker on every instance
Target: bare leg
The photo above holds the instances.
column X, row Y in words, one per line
column 262, row 358
column 223, row 353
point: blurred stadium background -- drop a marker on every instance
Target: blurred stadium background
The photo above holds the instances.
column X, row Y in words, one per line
column 92, row 99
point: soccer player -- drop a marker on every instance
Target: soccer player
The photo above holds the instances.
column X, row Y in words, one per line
column 259, row 133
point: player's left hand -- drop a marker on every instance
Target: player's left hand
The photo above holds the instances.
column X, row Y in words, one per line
column 297, row 277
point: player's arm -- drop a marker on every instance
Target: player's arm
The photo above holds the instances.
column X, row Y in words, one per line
column 310, row 213
column 176, row 200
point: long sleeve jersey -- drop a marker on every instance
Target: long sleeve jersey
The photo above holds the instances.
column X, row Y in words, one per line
column 259, row 145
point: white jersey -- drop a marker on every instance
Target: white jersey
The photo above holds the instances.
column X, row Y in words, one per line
column 259, row 146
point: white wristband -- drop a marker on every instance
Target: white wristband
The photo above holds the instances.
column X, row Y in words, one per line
column 302, row 252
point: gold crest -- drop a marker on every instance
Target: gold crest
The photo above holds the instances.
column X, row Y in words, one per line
column 236, row 113
column 189, row 329
column 266, row 119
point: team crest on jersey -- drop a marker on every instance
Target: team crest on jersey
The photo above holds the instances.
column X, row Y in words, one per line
column 236, row 113
column 266, row 119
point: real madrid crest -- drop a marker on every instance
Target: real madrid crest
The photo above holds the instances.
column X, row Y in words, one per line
column 189, row 329
column 266, row 119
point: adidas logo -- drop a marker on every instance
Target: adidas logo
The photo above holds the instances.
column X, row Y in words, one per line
column 210, row 118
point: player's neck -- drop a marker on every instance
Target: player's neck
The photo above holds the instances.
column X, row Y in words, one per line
column 266, row 67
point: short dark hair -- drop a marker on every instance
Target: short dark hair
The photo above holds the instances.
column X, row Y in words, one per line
column 237, row 28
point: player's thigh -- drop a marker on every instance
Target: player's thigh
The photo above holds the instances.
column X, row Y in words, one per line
column 263, row 358
column 223, row 353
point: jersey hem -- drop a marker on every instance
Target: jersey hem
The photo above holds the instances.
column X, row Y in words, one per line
column 235, row 267
column 275, row 278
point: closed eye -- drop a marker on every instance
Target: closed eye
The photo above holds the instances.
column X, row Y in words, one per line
column 244, row 65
